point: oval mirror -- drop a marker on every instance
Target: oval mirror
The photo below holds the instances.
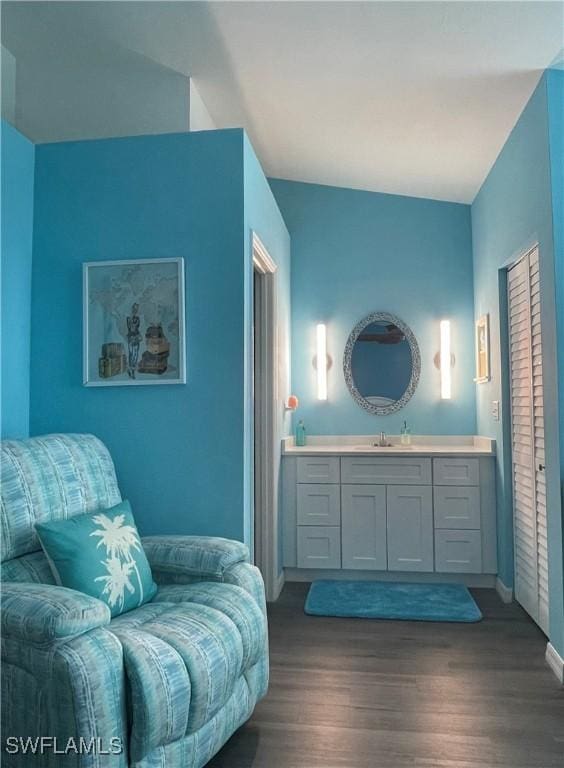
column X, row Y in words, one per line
column 382, row 363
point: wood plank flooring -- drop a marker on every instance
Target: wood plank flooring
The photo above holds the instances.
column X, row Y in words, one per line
column 356, row 693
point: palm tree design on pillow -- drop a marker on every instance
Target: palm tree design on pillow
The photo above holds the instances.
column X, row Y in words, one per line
column 121, row 542
column 117, row 580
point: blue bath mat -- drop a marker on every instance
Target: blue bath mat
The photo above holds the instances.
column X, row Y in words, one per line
column 388, row 600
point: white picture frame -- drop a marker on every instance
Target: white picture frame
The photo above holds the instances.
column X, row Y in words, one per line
column 482, row 342
column 134, row 321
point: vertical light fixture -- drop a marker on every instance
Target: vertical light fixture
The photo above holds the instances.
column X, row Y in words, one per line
column 321, row 361
column 445, row 361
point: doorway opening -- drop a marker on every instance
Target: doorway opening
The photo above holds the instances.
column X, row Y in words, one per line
column 264, row 399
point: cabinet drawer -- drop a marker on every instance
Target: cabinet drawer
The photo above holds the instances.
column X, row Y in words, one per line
column 363, row 530
column 319, row 546
column 386, row 470
column 458, row 552
column 457, row 506
column 319, row 504
column 456, row 471
column 318, row 469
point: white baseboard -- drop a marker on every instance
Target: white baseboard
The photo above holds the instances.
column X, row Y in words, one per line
column 468, row 579
column 555, row 662
column 505, row 592
column 278, row 587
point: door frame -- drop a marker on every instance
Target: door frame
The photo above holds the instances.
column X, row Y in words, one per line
column 265, row 523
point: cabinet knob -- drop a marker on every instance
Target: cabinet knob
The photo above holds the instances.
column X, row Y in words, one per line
column 542, row 467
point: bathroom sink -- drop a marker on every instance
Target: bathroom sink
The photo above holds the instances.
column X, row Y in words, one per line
column 377, row 448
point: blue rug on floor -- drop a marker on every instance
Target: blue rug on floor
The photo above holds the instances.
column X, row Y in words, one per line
column 392, row 600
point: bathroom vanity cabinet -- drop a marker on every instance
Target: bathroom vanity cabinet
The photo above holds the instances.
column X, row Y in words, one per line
column 417, row 511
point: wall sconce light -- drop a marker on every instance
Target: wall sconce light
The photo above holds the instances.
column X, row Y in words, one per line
column 444, row 360
column 321, row 362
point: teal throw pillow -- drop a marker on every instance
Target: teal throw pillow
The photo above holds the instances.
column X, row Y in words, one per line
column 101, row 555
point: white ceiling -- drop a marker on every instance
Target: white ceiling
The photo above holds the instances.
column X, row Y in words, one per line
column 408, row 98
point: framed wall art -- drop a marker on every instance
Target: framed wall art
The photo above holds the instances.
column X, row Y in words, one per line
column 483, row 349
column 134, row 324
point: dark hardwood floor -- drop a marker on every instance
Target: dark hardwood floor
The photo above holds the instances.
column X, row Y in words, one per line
column 356, row 693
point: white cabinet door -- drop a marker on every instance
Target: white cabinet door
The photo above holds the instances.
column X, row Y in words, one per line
column 364, row 535
column 319, row 504
column 410, row 528
column 319, row 546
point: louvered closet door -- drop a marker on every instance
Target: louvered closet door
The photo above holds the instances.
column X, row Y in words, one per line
column 527, row 413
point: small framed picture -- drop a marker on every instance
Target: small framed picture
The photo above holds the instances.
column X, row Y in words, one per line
column 483, row 349
column 134, row 326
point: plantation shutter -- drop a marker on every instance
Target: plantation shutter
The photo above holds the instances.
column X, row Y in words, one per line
column 527, row 414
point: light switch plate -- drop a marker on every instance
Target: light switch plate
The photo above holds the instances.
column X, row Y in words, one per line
column 495, row 410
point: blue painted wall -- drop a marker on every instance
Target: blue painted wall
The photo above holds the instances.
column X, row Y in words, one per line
column 512, row 212
column 178, row 449
column 17, row 229
column 263, row 216
column 357, row 252
column 555, row 95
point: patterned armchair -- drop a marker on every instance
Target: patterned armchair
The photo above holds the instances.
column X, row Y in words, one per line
column 164, row 685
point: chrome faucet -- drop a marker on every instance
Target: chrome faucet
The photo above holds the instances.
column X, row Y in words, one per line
column 382, row 441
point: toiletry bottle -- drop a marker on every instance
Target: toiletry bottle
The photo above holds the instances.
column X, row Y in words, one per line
column 300, row 434
column 405, row 434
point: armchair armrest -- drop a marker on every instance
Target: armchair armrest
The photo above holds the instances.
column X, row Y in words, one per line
column 188, row 558
column 43, row 613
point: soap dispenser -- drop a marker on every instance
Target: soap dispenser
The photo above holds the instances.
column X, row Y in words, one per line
column 300, row 434
column 405, row 434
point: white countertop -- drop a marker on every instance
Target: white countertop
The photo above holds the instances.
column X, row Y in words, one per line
column 361, row 445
